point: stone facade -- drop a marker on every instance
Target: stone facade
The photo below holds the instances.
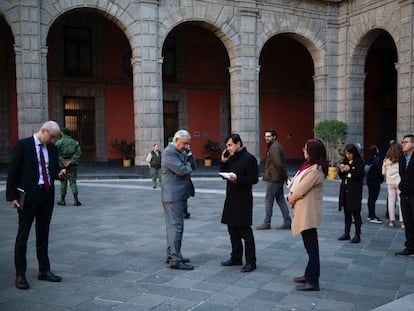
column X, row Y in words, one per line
column 337, row 35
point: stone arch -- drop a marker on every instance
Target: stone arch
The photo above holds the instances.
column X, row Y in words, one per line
column 6, row 14
column 113, row 11
column 307, row 32
column 226, row 32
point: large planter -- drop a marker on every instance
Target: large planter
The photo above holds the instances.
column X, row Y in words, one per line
column 332, row 172
column 208, row 162
column 127, row 162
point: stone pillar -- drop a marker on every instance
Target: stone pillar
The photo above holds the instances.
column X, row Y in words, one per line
column 405, row 71
column 31, row 80
column 244, row 82
column 355, row 108
column 147, row 72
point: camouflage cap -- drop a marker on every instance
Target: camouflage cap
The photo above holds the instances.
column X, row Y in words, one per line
column 65, row 130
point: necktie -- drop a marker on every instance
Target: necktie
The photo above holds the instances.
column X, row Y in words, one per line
column 44, row 172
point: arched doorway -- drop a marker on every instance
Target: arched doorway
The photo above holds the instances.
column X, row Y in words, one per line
column 196, row 84
column 90, row 81
column 8, row 96
column 380, row 112
column 287, row 93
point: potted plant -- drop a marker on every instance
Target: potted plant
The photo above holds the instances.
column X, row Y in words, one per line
column 211, row 149
column 127, row 149
column 332, row 133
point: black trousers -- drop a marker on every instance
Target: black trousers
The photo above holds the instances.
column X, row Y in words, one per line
column 38, row 208
column 237, row 233
column 310, row 240
column 348, row 221
column 407, row 209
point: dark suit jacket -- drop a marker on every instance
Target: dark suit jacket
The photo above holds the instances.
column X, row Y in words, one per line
column 23, row 168
column 407, row 176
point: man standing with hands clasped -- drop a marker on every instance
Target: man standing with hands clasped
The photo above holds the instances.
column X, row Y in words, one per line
column 69, row 154
column 33, row 167
column 275, row 175
column 176, row 188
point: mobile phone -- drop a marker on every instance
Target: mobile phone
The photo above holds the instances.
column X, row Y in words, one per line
column 226, row 154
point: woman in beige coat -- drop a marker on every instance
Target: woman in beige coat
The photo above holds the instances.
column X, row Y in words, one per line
column 305, row 198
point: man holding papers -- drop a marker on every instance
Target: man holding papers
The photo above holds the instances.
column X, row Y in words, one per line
column 239, row 168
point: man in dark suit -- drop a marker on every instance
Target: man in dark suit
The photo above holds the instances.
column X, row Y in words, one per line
column 33, row 167
column 406, row 170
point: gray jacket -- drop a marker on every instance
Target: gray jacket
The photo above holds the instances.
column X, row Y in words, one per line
column 176, row 170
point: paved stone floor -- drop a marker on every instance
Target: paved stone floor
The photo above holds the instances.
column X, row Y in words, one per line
column 111, row 251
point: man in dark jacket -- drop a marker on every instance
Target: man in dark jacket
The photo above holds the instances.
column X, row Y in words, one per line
column 406, row 168
column 243, row 172
column 32, row 169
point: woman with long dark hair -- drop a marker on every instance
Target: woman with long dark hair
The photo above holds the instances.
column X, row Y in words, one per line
column 305, row 198
column 351, row 172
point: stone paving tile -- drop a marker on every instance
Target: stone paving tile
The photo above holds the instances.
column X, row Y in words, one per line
column 111, row 254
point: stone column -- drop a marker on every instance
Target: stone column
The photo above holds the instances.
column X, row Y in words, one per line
column 405, row 71
column 147, row 71
column 31, row 81
column 355, row 108
column 244, row 82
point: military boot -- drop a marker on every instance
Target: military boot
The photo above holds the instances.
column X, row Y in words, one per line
column 62, row 200
column 77, row 203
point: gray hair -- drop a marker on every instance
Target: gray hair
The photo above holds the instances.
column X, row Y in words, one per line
column 182, row 134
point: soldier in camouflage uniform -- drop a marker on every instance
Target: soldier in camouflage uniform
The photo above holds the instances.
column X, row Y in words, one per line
column 69, row 154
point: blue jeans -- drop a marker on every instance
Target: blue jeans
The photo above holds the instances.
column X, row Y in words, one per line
column 274, row 190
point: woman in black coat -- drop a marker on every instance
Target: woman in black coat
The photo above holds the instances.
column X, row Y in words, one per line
column 351, row 172
column 238, row 206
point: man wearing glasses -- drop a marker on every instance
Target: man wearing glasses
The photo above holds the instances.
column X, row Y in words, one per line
column 176, row 188
column 32, row 169
column 275, row 175
column 406, row 169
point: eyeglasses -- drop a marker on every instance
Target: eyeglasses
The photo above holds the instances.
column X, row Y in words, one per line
column 268, row 136
column 405, row 142
column 186, row 143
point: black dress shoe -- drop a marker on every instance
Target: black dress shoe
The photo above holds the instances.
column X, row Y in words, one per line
column 184, row 259
column 405, row 252
column 308, row 287
column 230, row 262
column 344, row 237
column 181, row 266
column 21, row 282
column 248, row 267
column 299, row 279
column 356, row 239
column 48, row 276
column 187, row 215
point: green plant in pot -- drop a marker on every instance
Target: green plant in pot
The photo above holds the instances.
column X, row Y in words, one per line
column 211, row 150
column 332, row 133
column 127, row 149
